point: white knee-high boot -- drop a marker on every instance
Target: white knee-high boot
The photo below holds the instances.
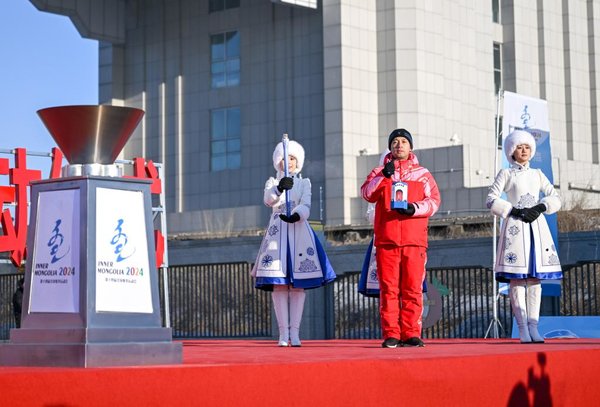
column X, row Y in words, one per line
column 534, row 300
column 297, row 297
column 519, row 307
column 280, row 296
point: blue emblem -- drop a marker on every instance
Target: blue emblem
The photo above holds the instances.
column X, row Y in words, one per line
column 373, row 275
column 120, row 241
column 273, row 230
column 310, row 251
column 513, row 230
column 55, row 242
column 266, row 261
column 510, row 258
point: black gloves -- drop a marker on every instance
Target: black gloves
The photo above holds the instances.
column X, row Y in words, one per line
column 294, row 217
column 528, row 215
column 531, row 214
column 286, row 183
column 388, row 169
column 517, row 213
column 409, row 211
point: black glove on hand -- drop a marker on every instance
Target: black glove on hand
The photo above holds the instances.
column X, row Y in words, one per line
column 294, row 217
column 409, row 211
column 388, row 169
column 531, row 214
column 286, row 183
column 517, row 213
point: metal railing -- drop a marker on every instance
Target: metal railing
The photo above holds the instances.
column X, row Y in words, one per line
column 467, row 297
column 217, row 301
column 8, row 286
column 220, row 301
column 580, row 292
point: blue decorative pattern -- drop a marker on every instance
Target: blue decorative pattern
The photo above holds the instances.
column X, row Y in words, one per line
column 273, row 230
column 307, row 266
column 510, row 258
column 267, row 260
column 526, row 201
column 310, row 251
column 264, row 246
column 513, row 230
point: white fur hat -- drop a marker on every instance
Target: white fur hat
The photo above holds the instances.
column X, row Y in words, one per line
column 518, row 137
column 295, row 149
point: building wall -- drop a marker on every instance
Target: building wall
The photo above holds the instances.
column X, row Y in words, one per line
column 166, row 66
column 338, row 79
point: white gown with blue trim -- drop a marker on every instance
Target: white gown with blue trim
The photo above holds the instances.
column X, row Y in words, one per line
column 525, row 250
column 291, row 253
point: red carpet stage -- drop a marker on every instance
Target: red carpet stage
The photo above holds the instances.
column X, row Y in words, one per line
column 478, row 372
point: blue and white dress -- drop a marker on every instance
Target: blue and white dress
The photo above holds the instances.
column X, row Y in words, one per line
column 525, row 250
column 291, row 253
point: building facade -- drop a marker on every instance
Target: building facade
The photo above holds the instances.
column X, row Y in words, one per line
column 222, row 80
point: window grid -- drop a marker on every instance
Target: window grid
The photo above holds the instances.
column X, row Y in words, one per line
column 225, row 145
column 225, row 59
column 497, row 67
column 496, row 11
column 221, row 5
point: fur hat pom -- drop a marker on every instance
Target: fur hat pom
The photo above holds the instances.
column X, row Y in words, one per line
column 295, row 149
column 518, row 137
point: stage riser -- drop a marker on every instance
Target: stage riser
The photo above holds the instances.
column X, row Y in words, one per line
column 92, row 355
column 329, row 373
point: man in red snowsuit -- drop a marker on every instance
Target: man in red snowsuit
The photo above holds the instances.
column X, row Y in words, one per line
column 401, row 239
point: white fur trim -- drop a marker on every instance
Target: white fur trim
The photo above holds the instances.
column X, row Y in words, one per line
column 295, row 149
column 516, row 138
column 383, row 155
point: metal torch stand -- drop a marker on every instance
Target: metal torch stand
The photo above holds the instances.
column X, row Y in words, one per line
column 88, row 338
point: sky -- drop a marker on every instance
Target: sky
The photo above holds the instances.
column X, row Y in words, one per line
column 44, row 62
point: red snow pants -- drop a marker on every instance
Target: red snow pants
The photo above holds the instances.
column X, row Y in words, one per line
column 401, row 271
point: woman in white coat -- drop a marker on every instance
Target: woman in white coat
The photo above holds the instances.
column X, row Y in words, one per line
column 291, row 258
column 526, row 251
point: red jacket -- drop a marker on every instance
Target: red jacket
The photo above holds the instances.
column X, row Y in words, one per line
column 392, row 228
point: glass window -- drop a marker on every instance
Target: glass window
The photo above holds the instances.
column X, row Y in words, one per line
column 232, row 40
column 499, row 119
column 218, row 163
column 497, row 67
column 496, row 11
column 225, row 59
column 220, row 5
column 225, row 146
column 217, row 47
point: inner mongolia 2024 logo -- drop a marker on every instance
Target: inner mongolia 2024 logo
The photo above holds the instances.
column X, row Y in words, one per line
column 123, row 249
column 57, row 251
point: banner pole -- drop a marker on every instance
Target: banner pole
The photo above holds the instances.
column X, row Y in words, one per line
column 495, row 322
column 286, row 172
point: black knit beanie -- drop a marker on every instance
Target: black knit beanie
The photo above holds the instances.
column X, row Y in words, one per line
column 400, row 133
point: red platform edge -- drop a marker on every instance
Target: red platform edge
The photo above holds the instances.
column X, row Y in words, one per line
column 490, row 372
